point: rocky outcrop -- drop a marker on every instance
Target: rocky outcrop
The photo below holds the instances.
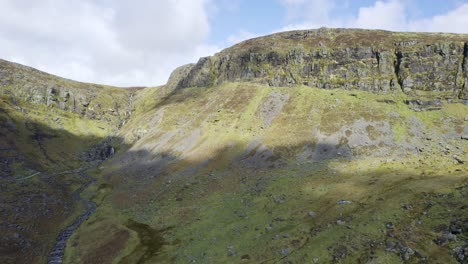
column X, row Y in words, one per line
column 370, row 60
column 93, row 101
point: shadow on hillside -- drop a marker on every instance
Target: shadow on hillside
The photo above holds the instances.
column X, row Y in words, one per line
column 143, row 182
column 39, row 167
column 35, row 209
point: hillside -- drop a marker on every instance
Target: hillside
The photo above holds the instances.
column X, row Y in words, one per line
column 318, row 146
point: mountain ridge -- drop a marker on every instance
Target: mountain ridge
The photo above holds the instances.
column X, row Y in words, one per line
column 238, row 160
column 371, row 60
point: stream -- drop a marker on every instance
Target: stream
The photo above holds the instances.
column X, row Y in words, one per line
column 58, row 251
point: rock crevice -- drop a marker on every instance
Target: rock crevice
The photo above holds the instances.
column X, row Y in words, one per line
column 397, row 66
column 464, row 91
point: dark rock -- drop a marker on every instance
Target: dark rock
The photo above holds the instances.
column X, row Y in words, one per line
column 461, row 253
column 459, row 160
column 406, row 253
column 339, row 252
column 425, row 105
column 455, row 228
column 391, row 247
column 245, row 257
column 445, row 238
column 407, row 207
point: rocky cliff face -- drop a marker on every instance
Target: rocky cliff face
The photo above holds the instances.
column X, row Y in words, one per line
column 98, row 102
column 377, row 61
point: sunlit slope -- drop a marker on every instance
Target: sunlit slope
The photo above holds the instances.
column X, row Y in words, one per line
column 244, row 172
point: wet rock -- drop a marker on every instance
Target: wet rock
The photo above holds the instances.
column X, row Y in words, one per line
column 102, row 151
column 57, row 252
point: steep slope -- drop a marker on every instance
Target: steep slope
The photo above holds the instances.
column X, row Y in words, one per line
column 245, row 172
column 316, row 146
column 226, row 167
column 50, row 128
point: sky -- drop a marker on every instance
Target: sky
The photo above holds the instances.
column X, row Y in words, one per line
column 140, row 42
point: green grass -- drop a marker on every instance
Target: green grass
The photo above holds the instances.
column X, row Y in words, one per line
column 204, row 209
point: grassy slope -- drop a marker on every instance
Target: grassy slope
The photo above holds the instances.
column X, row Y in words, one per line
column 38, row 143
column 196, row 184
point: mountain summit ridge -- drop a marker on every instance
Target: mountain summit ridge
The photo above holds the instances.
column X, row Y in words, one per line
column 369, row 60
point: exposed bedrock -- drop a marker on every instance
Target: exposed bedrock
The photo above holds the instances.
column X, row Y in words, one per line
column 377, row 61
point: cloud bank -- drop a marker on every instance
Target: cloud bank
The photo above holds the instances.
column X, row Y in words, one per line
column 114, row 42
column 389, row 15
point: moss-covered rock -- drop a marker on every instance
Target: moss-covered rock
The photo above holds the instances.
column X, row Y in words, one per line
column 111, row 104
column 377, row 61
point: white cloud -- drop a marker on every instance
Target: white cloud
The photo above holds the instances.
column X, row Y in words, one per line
column 114, row 42
column 455, row 21
column 389, row 15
